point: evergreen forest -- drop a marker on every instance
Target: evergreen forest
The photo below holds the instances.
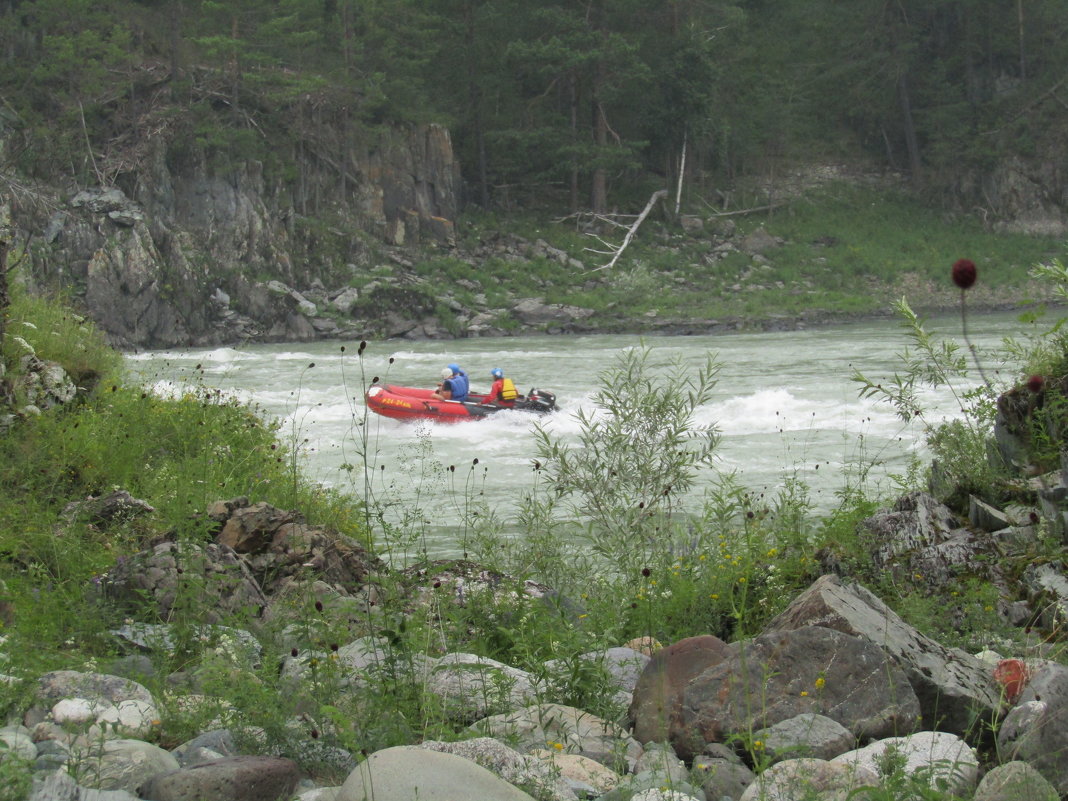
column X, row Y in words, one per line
column 587, row 103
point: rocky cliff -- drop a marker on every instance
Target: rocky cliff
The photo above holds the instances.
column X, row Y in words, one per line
column 179, row 251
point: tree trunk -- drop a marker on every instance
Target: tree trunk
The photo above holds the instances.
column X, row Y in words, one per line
column 5, row 245
column 682, row 174
column 474, row 99
column 599, row 182
column 235, row 64
column 176, row 39
column 911, row 142
column 572, row 85
column 1020, row 32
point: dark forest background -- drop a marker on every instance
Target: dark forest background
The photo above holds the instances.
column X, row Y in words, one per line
column 585, row 104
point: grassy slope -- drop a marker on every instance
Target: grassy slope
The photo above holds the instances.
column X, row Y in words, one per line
column 181, row 454
column 848, row 250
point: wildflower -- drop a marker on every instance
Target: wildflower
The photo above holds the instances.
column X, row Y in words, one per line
column 741, row 579
column 773, row 552
column 804, row 693
column 820, row 682
column 318, row 606
column 964, row 273
column 758, row 745
column 646, row 571
column 714, row 596
column 1036, row 383
column 583, row 615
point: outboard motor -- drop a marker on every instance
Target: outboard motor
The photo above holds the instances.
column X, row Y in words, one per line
column 538, row 400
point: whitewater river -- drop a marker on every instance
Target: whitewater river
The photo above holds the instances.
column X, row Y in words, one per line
column 784, row 404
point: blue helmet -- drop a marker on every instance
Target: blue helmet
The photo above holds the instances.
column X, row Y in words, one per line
column 497, row 372
column 455, row 368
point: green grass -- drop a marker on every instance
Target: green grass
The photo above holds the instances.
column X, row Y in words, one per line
column 847, row 250
column 626, row 571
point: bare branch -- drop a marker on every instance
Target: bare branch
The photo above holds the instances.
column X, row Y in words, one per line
column 617, row 252
column 753, row 210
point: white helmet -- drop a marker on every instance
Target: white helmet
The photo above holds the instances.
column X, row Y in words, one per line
column 446, row 372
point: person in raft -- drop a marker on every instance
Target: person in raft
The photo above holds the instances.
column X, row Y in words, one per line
column 452, row 386
column 459, row 375
column 503, row 391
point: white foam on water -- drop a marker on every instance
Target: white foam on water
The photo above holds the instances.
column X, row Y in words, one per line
column 783, row 404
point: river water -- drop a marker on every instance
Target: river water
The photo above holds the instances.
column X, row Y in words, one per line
column 784, row 405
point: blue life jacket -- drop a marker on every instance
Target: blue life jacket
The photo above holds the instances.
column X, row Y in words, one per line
column 459, row 386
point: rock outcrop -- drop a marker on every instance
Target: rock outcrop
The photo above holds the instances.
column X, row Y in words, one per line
column 167, row 258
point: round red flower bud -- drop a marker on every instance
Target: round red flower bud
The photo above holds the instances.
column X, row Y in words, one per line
column 1036, row 383
column 964, row 273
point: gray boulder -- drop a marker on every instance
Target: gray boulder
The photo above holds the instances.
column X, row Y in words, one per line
column 955, row 689
column 622, row 667
column 565, row 728
column 806, row 779
column 59, row 786
column 919, row 535
column 806, row 735
column 278, row 546
column 242, row 778
column 43, row 384
column 535, row 312
column 59, row 684
column 722, row 777
column 408, row 772
column 515, row 768
column 943, row 760
column 122, row 764
column 1035, row 731
column 472, row 687
column 1014, row 781
column 782, row 674
column 225, row 587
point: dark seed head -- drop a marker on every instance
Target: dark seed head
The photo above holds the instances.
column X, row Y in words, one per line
column 964, row 273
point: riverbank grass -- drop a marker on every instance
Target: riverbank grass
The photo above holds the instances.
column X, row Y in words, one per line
column 602, row 531
column 845, row 249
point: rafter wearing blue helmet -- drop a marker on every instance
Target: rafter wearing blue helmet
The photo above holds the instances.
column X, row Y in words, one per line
column 460, row 383
column 503, row 390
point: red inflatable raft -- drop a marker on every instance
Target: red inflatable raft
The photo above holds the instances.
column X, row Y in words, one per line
column 413, row 403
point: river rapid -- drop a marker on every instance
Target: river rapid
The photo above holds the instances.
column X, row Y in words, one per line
column 784, row 405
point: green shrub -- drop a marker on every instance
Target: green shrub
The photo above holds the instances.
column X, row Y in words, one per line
column 53, row 332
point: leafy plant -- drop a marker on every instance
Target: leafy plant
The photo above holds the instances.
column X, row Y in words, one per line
column 637, row 457
column 960, row 447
